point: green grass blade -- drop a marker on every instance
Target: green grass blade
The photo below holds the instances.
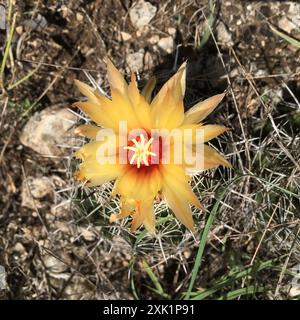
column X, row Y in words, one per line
column 220, row 284
column 203, row 243
column 207, row 32
column 158, row 288
column 25, row 78
column 287, row 38
column 208, row 226
column 241, row 292
column 133, row 288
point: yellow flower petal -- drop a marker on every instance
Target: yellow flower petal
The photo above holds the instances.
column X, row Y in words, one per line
column 97, row 113
column 142, row 212
column 128, row 207
column 139, row 184
column 109, row 143
column 211, row 159
column 182, row 80
column 139, row 104
column 204, row 132
column 87, row 91
column 88, row 150
column 179, row 206
column 124, row 109
column 170, row 113
column 167, row 110
column 176, row 177
column 148, row 89
column 96, row 174
column 179, row 194
column 149, row 217
column 176, row 117
column 87, row 130
column 211, row 131
column 202, row 109
column 116, row 80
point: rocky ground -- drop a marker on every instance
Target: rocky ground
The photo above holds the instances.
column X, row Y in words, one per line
column 55, row 245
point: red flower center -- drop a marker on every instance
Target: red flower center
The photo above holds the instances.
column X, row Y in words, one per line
column 144, row 150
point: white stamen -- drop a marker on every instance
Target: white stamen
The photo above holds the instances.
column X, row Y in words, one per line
column 141, row 151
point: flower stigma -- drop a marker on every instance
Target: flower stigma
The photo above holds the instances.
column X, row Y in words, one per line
column 141, row 151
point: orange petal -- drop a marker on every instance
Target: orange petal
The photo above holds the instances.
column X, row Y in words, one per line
column 202, row 109
column 149, row 217
column 140, row 184
column 138, row 217
column 127, row 208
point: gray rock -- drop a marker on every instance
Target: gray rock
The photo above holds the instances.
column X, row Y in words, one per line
column 56, row 265
column 61, row 210
column 141, row 13
column 285, row 24
column 47, row 130
column 34, row 189
column 78, row 288
column 290, row 19
column 223, row 35
column 166, row 44
column 2, row 17
column 87, row 234
column 125, row 36
column 294, row 13
column 154, row 39
column 135, row 61
column 38, row 23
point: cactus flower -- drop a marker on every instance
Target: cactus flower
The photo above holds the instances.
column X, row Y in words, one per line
column 139, row 180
